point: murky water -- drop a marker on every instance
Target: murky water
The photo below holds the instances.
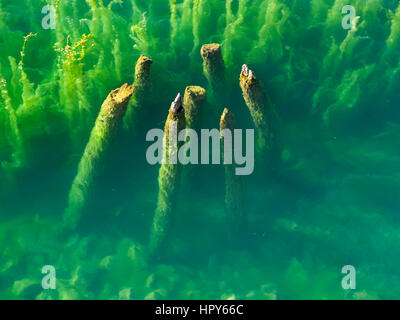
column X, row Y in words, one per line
column 333, row 202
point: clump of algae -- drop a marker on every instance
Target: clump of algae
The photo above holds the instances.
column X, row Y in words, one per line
column 73, row 91
column 318, row 74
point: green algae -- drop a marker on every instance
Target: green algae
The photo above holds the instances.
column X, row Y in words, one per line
column 336, row 92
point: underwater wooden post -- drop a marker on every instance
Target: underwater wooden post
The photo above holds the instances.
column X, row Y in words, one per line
column 111, row 113
column 168, row 177
column 234, row 198
column 264, row 116
column 193, row 101
column 213, row 67
column 142, row 86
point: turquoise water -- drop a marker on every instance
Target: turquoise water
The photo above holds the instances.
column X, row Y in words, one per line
column 334, row 201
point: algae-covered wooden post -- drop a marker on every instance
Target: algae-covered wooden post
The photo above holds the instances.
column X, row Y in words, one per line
column 214, row 70
column 168, row 178
column 142, row 86
column 264, row 116
column 193, row 101
column 234, row 197
column 109, row 118
column 213, row 64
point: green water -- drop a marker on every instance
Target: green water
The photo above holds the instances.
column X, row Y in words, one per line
column 334, row 202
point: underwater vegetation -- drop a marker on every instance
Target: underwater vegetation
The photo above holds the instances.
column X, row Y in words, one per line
column 76, row 191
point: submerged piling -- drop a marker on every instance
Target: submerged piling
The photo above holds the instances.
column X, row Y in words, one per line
column 193, row 101
column 234, row 198
column 213, row 64
column 168, row 178
column 214, row 70
column 142, row 85
column 264, row 116
column 107, row 122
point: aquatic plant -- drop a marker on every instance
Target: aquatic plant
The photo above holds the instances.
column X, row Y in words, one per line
column 334, row 90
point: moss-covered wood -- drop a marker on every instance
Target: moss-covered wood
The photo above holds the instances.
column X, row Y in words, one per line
column 234, row 191
column 193, row 101
column 139, row 99
column 213, row 64
column 168, row 178
column 108, row 120
column 264, row 117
